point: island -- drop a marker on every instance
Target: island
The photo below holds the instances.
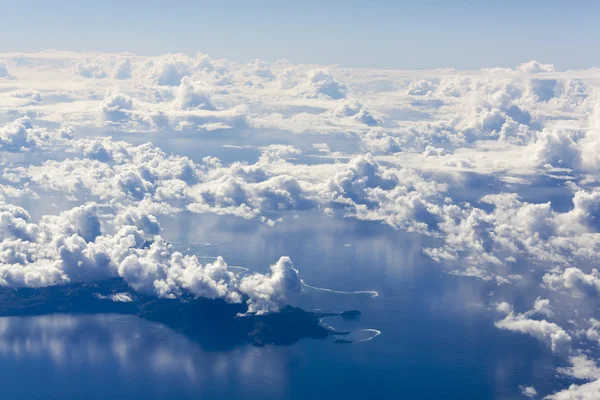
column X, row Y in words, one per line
column 213, row 323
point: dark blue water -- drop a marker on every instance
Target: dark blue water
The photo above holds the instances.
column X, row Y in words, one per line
column 437, row 341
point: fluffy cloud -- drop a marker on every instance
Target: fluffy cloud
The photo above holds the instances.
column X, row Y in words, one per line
column 166, row 273
column 74, row 246
column 575, row 281
column 54, row 251
column 377, row 141
column 270, row 291
column 91, row 70
column 288, row 78
column 17, row 136
column 116, row 170
column 322, row 82
column 554, row 335
column 588, row 391
column 356, row 111
column 542, row 89
column 123, row 69
column 260, row 69
column 189, row 96
column 117, row 108
column 590, row 144
column 586, row 209
column 4, row 71
column 421, row 88
column 21, row 135
column 558, row 149
column 582, row 368
column 529, row 391
column 27, row 94
column 170, row 69
column 534, row 67
column 482, row 240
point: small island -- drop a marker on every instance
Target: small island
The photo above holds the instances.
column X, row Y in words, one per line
column 214, row 324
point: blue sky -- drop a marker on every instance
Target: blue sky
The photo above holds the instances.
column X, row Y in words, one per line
column 384, row 34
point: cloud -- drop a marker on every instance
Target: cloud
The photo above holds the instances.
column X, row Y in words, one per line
column 115, row 170
column 543, row 89
column 170, row 69
column 117, row 108
column 4, row 71
column 356, row 111
column 27, row 94
column 549, row 332
column 188, row 96
column 288, row 78
column 366, row 190
column 377, row 141
column 267, row 292
column 278, row 152
column 261, row 69
column 158, row 270
column 91, row 70
column 57, row 249
column 123, row 69
column 588, row 391
column 362, row 173
column 582, row 368
column 575, row 281
column 322, row 82
column 74, row 246
column 528, row 391
column 117, row 297
column 586, row 209
column 513, row 228
column 590, row 144
column 558, row 149
column 421, row 88
column 534, row 67
column 21, row 136
column 18, row 136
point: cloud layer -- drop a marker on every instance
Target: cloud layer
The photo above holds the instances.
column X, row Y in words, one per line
column 497, row 167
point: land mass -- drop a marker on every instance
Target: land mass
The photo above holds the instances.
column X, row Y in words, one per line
column 215, row 324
